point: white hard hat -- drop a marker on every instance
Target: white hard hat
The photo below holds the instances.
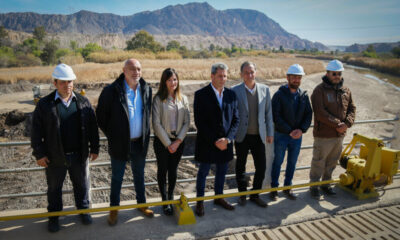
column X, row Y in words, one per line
column 335, row 65
column 295, row 69
column 63, row 72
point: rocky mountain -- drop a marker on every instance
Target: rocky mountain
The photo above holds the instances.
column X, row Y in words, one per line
column 379, row 47
column 192, row 19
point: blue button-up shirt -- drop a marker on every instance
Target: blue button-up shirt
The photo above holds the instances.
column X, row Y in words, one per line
column 135, row 107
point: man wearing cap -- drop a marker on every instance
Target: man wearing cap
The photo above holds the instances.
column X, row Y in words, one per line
column 216, row 119
column 334, row 112
column 256, row 128
column 123, row 114
column 64, row 134
column 292, row 113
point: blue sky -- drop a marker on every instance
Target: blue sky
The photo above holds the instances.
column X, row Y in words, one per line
column 340, row 22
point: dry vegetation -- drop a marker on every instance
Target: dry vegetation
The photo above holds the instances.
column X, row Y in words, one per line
column 391, row 66
column 270, row 67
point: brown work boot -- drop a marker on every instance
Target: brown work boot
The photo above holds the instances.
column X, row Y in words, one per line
column 200, row 209
column 113, row 217
column 147, row 211
column 223, row 203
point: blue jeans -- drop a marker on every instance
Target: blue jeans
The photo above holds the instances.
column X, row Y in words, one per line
column 281, row 143
column 204, row 168
column 137, row 159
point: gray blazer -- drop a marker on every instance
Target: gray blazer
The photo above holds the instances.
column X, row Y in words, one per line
column 265, row 122
column 161, row 120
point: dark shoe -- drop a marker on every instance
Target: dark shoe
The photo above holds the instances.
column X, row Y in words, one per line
column 242, row 201
column 315, row 193
column 113, row 217
column 273, row 195
column 168, row 210
column 223, row 203
column 289, row 194
column 328, row 191
column 200, row 209
column 147, row 211
column 86, row 219
column 257, row 200
column 53, row 226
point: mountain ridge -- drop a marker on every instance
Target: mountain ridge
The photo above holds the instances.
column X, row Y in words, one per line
column 181, row 19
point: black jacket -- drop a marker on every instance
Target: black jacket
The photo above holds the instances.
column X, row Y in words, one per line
column 113, row 117
column 46, row 138
column 285, row 118
column 213, row 123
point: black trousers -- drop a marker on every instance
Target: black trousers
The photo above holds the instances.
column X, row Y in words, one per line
column 167, row 163
column 55, row 179
column 257, row 149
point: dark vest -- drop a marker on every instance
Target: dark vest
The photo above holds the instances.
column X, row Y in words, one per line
column 70, row 126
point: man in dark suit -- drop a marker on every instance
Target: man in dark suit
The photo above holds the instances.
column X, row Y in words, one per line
column 217, row 120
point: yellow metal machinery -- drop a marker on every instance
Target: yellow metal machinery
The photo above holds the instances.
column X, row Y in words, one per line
column 375, row 165
column 37, row 93
column 183, row 213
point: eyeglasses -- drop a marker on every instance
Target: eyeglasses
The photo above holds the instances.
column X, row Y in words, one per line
column 336, row 74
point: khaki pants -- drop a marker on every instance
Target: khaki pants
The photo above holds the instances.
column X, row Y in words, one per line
column 326, row 153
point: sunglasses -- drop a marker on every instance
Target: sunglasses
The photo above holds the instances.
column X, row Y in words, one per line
column 336, row 74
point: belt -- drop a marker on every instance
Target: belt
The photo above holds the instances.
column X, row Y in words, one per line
column 135, row 139
column 70, row 153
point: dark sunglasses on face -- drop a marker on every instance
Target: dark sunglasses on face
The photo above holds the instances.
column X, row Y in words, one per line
column 336, row 74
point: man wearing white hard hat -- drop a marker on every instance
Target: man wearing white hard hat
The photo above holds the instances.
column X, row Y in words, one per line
column 334, row 112
column 292, row 113
column 256, row 128
column 64, row 134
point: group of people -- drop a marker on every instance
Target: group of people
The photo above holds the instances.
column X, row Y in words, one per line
column 244, row 117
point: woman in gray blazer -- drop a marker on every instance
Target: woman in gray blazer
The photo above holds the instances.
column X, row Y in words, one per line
column 171, row 121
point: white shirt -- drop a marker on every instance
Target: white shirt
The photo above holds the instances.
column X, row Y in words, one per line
column 66, row 103
column 219, row 97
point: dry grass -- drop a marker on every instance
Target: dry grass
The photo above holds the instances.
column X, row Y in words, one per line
column 271, row 67
column 118, row 56
column 391, row 66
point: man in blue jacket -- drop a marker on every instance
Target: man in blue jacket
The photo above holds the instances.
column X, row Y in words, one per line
column 216, row 118
column 292, row 113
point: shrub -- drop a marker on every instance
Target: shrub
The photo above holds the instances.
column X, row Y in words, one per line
column 221, row 55
column 90, row 48
column 168, row 55
column 72, row 59
column 48, row 55
column 23, row 60
column 62, row 52
column 143, row 39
